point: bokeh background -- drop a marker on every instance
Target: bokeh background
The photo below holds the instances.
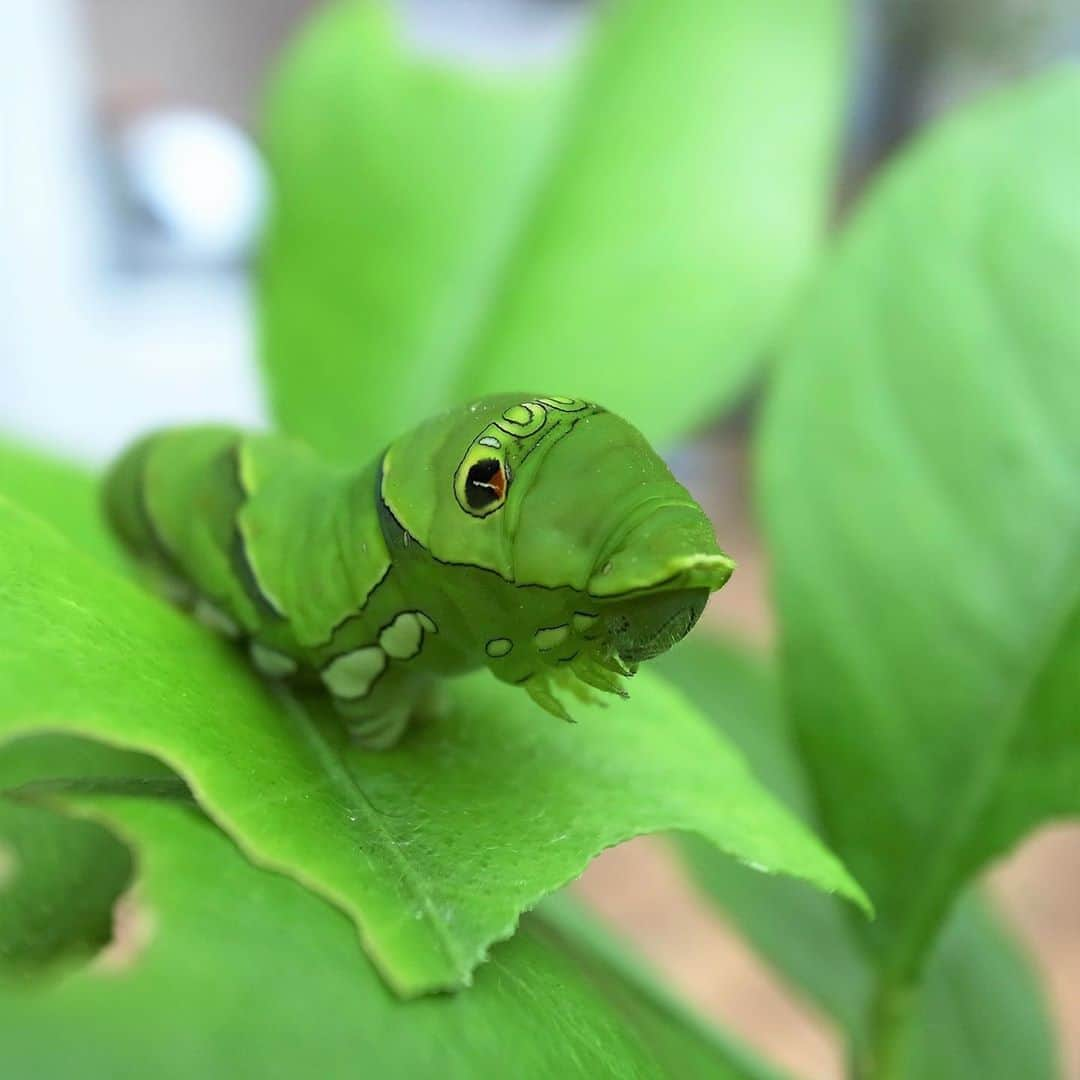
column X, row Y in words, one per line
column 131, row 196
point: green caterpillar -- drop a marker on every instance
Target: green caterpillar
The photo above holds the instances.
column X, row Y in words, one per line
column 539, row 536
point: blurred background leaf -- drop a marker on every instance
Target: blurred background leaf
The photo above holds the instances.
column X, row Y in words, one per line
column 61, row 492
column 627, row 223
column 258, row 977
column 918, row 476
column 976, row 971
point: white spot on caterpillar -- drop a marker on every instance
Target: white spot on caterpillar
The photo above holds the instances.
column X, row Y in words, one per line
column 402, row 639
column 499, row 646
column 270, row 662
column 352, row 675
column 550, row 637
column 489, row 440
column 214, row 618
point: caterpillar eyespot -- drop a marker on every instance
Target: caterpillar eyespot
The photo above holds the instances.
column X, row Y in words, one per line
column 482, row 480
column 539, row 536
column 485, row 485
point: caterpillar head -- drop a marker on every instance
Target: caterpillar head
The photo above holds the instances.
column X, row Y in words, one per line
column 557, row 492
column 640, row 547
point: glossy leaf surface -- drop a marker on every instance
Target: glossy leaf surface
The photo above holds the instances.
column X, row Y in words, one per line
column 919, row 472
column 434, row 849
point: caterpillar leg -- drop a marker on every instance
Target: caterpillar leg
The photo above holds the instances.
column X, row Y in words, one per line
column 382, row 731
column 378, row 721
column 538, row 687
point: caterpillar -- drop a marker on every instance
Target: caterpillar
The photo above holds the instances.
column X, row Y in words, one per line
column 539, row 536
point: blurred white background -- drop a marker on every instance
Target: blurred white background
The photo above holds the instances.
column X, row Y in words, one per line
column 131, row 195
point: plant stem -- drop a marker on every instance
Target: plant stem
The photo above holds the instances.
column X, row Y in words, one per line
column 889, row 1027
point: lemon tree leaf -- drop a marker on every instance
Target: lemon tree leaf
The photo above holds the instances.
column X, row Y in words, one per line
column 918, row 478
column 435, row 848
column 293, row 994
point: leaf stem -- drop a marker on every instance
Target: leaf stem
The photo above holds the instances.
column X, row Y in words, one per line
column 889, row 1028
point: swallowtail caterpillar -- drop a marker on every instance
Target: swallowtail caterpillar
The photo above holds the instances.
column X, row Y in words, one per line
column 540, row 537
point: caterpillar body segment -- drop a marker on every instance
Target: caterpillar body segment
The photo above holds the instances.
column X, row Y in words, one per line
column 538, row 536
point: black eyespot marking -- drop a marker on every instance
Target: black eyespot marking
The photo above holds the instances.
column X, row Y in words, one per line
column 485, row 484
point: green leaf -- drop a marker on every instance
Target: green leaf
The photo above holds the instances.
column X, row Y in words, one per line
column 60, row 492
column 976, row 970
column 292, row 994
column 981, row 1013
column 793, row 927
column 435, row 848
column 61, row 757
column 59, row 878
column 58, row 881
column 654, row 1008
column 919, row 462
column 627, row 224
